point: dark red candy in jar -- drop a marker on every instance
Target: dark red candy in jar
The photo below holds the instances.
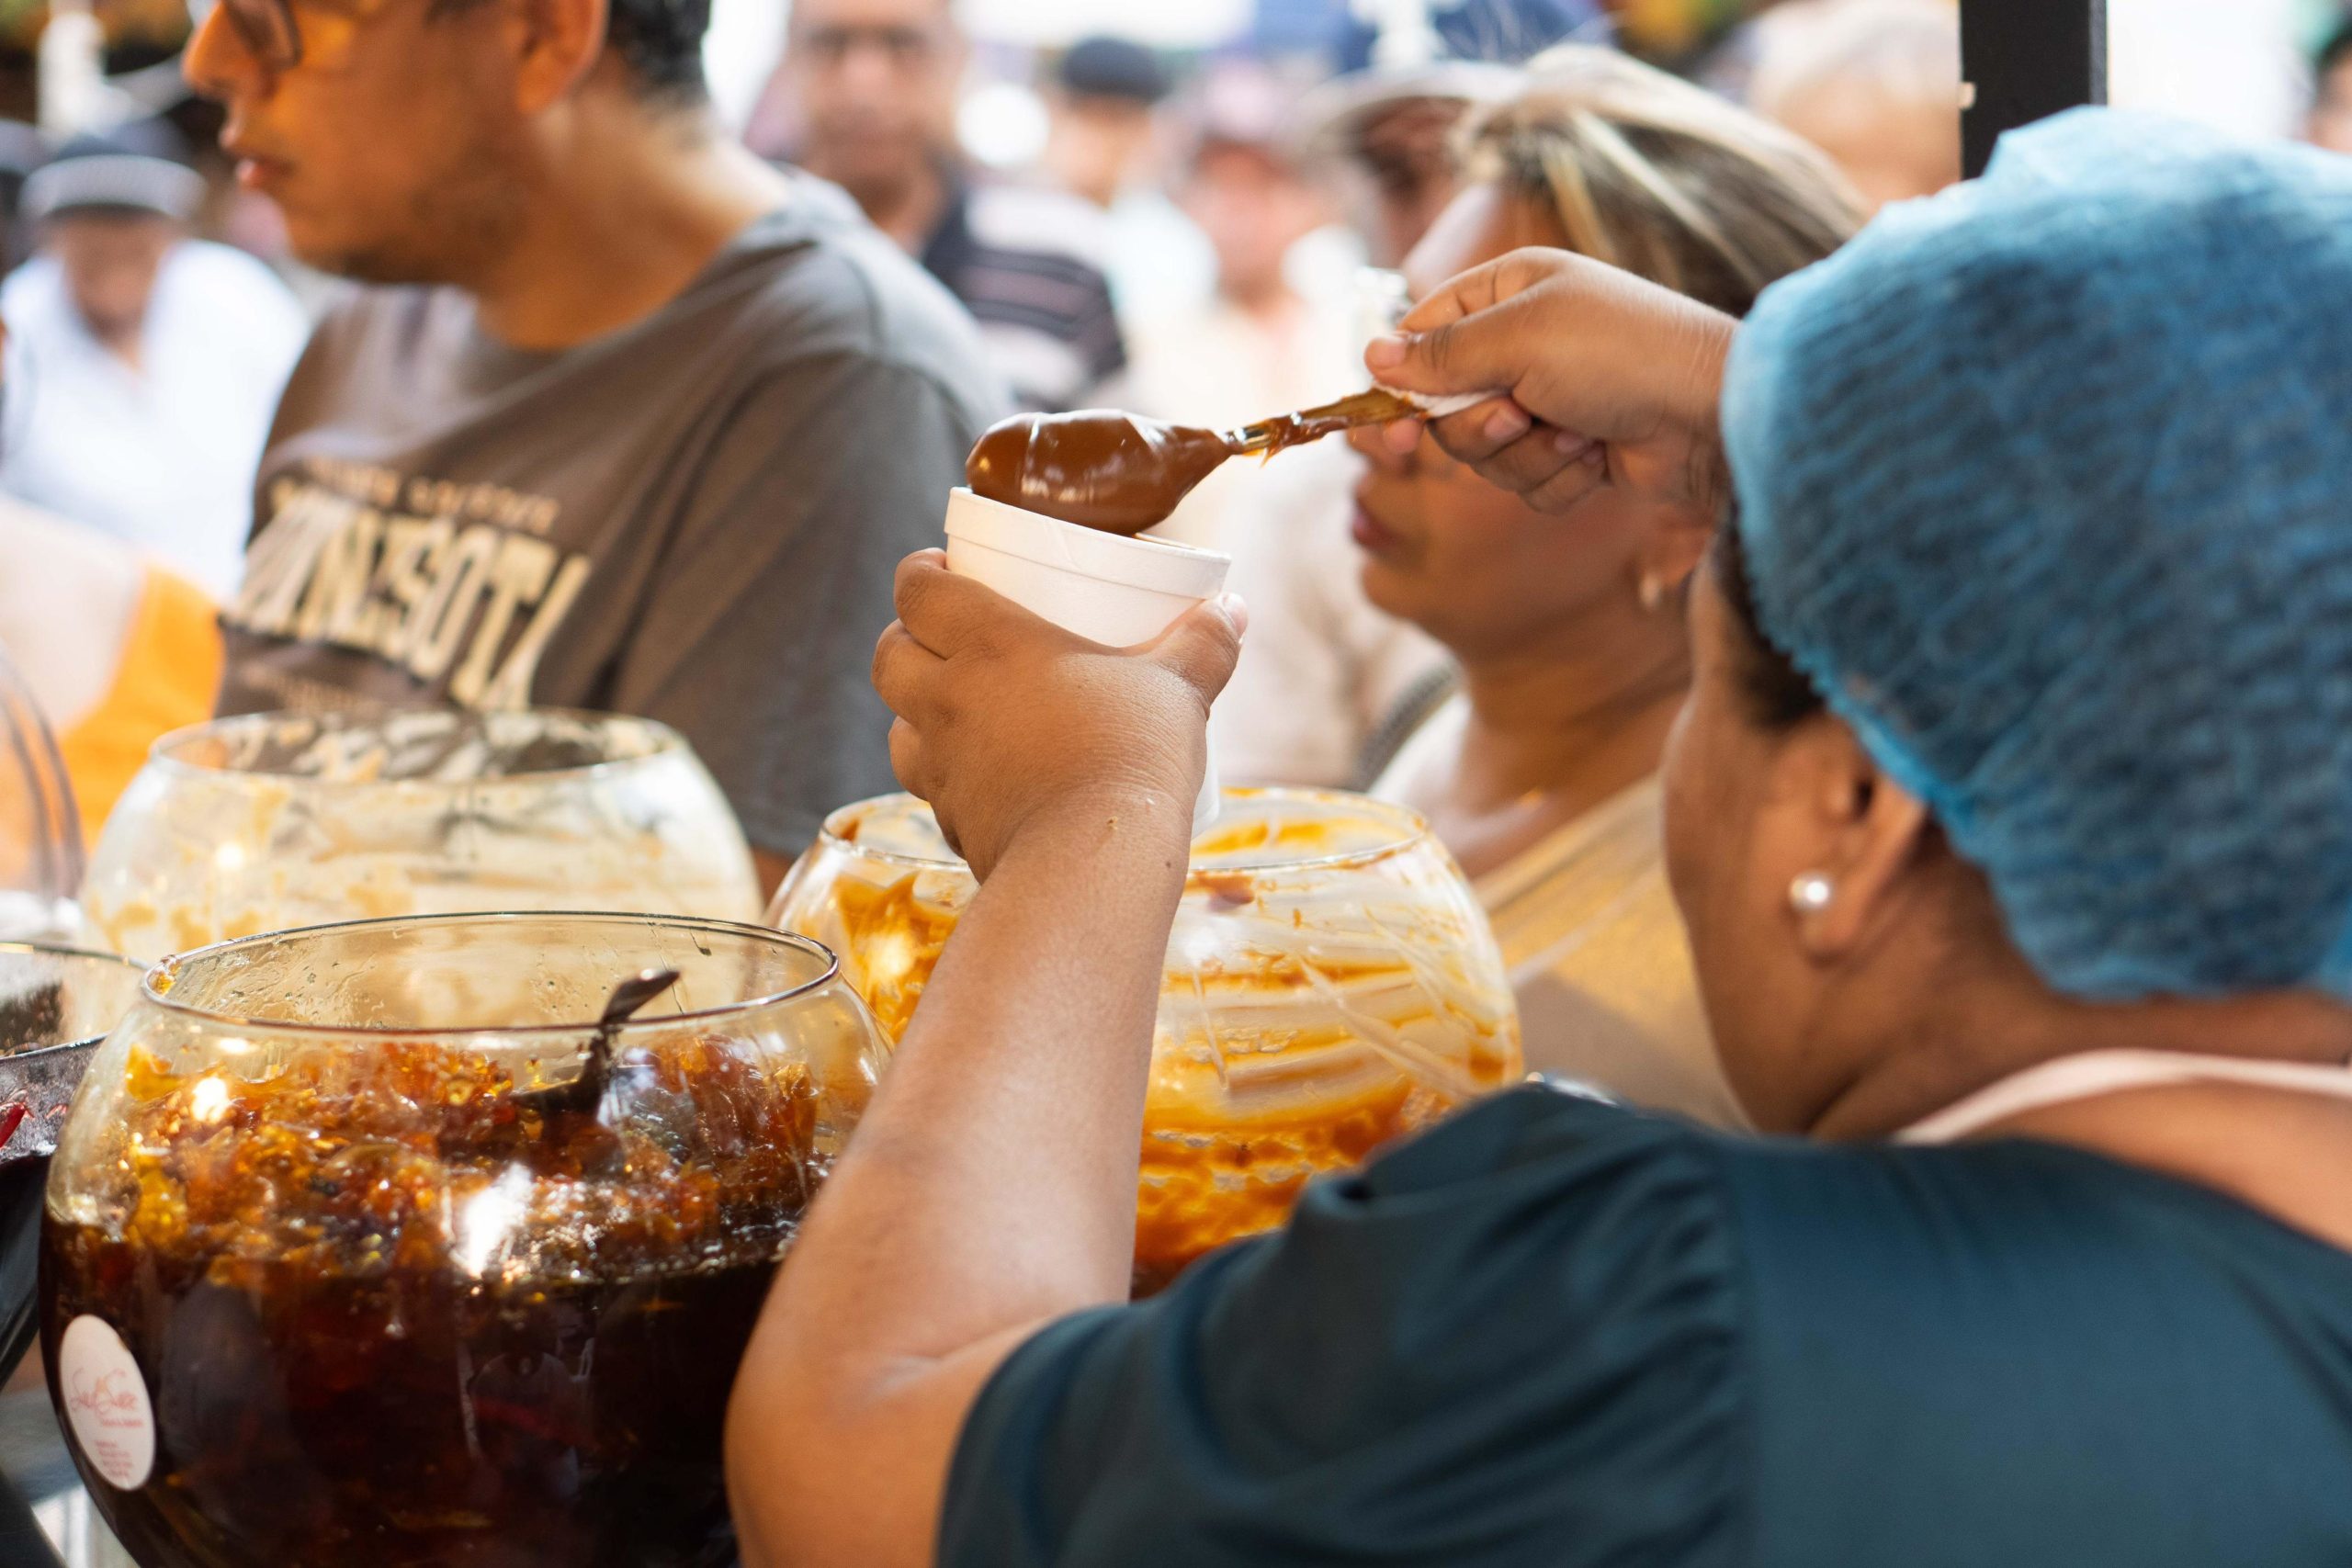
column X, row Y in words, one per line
column 325, row 1284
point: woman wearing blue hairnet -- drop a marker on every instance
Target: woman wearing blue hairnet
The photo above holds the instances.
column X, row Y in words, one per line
column 2012, row 817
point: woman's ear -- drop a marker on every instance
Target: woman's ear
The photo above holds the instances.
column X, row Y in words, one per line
column 1675, row 546
column 1870, row 834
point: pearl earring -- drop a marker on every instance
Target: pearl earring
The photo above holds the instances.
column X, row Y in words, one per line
column 1812, row 893
column 1652, row 592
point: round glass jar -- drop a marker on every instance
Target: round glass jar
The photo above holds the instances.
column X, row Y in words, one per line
column 55, row 1005
column 273, row 822
column 40, row 829
column 1331, row 985
column 335, row 1270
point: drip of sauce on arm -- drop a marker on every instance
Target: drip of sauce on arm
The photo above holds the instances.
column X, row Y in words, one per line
column 1121, row 473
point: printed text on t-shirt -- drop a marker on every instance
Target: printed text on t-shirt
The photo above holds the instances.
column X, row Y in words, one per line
column 440, row 596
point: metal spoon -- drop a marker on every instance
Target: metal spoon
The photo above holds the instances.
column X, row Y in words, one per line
column 584, row 1094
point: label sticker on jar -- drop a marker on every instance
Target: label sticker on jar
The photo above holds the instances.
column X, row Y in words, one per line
column 106, row 1400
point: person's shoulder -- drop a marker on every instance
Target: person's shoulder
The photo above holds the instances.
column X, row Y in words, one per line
column 1038, row 258
column 828, row 285
column 1543, row 1287
column 1025, row 218
column 32, row 289
column 1551, row 1133
column 1545, row 1198
column 1415, row 748
column 228, row 292
column 225, row 265
column 64, row 614
column 27, row 533
column 375, row 325
column 346, row 303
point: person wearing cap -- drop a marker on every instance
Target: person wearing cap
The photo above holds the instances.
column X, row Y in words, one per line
column 1105, row 90
column 871, row 89
column 147, row 362
column 2011, row 813
column 1408, row 72
column 1105, row 144
column 628, row 420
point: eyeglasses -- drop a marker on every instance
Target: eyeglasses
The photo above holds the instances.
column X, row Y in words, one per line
column 266, row 25
column 901, row 47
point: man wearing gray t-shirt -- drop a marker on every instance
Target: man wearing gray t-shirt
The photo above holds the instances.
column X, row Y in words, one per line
column 647, row 427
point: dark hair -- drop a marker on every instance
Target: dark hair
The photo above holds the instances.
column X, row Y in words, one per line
column 1776, row 692
column 2333, row 53
column 1105, row 67
column 661, row 42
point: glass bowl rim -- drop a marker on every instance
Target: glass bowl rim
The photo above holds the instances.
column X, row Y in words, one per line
column 81, row 954
column 1412, row 829
column 163, row 755
column 150, row 995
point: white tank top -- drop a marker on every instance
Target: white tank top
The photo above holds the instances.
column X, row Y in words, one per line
column 2096, row 1072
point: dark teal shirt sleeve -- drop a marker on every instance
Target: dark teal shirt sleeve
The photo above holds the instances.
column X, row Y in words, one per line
column 1516, row 1341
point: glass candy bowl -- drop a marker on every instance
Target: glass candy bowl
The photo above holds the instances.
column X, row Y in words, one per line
column 328, row 1276
column 273, row 822
column 55, row 1005
column 40, row 832
column 1331, row 984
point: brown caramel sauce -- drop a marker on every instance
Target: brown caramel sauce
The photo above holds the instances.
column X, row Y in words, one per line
column 1121, row 473
column 1206, row 1179
column 900, row 937
column 1227, row 889
column 1116, row 472
column 1205, row 1185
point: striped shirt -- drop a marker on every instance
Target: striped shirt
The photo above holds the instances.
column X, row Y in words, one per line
column 1032, row 266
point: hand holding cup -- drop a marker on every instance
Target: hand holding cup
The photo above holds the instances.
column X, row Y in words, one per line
column 1005, row 721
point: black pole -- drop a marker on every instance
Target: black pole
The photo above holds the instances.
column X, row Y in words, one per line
column 2023, row 61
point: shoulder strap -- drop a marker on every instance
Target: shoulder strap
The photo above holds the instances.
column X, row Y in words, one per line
column 2093, row 1074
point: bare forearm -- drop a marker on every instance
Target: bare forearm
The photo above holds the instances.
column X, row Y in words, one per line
column 1000, row 1161
column 991, row 1189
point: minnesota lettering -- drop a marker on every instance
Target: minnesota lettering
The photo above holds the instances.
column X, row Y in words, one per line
column 475, row 602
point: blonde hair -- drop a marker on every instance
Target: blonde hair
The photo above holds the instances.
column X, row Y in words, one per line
column 1647, row 172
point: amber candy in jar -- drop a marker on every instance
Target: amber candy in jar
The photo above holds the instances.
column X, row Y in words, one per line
column 1331, row 985
column 328, row 1278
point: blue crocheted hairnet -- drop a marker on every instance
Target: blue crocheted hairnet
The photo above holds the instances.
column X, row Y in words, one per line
column 2046, row 483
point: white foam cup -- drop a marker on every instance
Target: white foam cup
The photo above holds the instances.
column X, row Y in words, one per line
column 1114, row 591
